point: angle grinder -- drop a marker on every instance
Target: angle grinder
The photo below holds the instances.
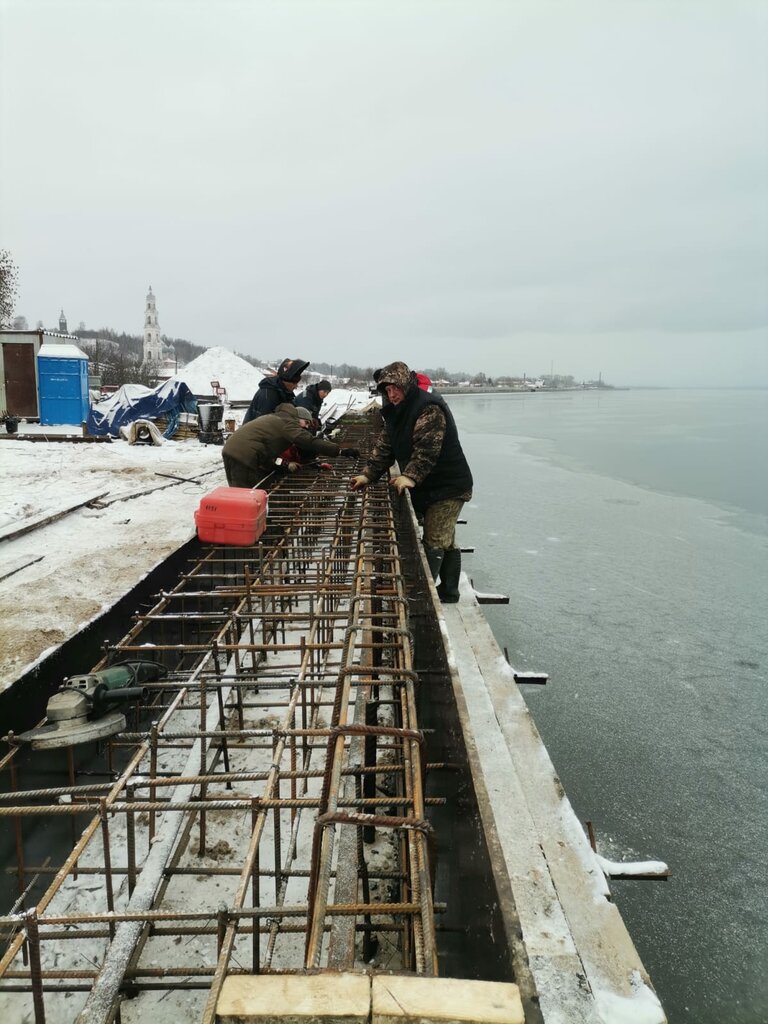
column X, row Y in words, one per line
column 83, row 708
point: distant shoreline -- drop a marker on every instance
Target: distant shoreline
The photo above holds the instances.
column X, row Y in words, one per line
column 484, row 389
column 609, row 389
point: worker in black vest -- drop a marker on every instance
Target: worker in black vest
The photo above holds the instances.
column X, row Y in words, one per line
column 420, row 434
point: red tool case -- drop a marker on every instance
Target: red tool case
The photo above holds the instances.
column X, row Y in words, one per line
column 232, row 515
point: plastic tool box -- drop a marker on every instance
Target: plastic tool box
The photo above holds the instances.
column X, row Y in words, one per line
column 232, row 515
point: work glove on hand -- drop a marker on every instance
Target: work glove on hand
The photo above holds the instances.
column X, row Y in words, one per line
column 402, row 483
column 350, row 453
column 292, row 467
column 357, row 483
column 325, row 466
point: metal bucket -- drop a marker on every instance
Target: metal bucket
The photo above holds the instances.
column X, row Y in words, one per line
column 209, row 416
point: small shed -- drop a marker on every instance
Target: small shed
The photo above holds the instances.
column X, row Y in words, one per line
column 18, row 372
column 62, row 371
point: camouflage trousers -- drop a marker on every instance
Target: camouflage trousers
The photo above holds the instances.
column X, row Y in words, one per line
column 440, row 523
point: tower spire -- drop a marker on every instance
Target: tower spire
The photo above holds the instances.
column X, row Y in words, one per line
column 153, row 349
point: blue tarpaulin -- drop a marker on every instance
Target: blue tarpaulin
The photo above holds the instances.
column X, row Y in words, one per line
column 134, row 402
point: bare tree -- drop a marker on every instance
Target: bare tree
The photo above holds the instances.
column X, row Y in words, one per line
column 119, row 367
column 9, row 281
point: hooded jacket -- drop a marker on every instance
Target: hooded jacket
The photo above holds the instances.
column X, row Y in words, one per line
column 310, row 399
column 432, row 456
column 270, row 393
column 259, row 442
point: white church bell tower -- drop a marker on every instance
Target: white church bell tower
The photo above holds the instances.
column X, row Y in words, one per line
column 153, row 348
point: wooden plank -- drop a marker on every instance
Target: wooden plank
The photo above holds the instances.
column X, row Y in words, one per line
column 130, row 495
column 69, row 438
column 18, row 565
column 34, row 522
column 552, row 954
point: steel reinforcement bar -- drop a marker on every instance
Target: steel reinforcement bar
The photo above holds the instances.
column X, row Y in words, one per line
column 265, row 809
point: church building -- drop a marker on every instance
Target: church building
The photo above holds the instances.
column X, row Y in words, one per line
column 153, row 346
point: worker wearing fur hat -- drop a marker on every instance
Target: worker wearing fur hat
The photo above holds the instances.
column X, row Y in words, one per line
column 276, row 388
column 249, row 454
column 420, row 434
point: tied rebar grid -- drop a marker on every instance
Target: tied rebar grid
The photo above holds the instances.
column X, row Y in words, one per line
column 268, row 813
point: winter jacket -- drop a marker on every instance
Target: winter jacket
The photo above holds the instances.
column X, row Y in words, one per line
column 259, row 442
column 270, row 393
column 311, row 400
column 420, row 433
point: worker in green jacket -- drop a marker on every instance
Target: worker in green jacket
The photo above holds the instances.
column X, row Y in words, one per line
column 250, row 453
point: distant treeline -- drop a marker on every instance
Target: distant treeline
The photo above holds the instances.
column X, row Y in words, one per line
column 132, row 345
column 366, row 372
column 119, row 357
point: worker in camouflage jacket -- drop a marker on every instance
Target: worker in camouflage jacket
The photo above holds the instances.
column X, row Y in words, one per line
column 421, row 436
column 250, row 453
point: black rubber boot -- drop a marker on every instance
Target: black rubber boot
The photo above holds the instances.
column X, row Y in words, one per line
column 435, row 560
column 450, row 571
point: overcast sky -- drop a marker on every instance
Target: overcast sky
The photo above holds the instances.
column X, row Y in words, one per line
column 498, row 186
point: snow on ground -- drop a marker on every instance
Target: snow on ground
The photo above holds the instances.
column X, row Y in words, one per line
column 89, row 558
column 58, row 577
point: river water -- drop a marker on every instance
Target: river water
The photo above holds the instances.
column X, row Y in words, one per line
column 630, row 530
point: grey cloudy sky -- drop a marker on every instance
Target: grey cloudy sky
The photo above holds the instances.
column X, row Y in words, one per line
column 496, row 186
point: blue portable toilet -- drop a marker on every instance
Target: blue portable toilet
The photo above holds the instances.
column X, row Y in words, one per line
column 62, row 373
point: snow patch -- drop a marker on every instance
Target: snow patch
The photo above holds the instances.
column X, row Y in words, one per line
column 642, row 1007
column 634, row 867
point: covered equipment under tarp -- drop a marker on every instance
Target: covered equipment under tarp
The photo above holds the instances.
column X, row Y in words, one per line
column 133, row 402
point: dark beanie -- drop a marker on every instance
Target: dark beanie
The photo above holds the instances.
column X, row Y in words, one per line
column 324, row 385
column 291, row 369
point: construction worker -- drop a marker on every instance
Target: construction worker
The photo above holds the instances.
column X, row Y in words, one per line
column 421, row 436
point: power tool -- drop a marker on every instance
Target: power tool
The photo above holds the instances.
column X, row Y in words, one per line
column 83, row 708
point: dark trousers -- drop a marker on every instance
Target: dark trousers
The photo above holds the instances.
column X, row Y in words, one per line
column 240, row 475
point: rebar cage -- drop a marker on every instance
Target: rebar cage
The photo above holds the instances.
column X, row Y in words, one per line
column 266, row 811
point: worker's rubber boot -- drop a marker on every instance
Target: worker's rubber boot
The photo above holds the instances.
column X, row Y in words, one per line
column 434, row 560
column 450, row 571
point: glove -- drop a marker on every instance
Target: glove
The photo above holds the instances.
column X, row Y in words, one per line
column 357, row 483
column 402, row 483
column 292, row 467
column 350, row 453
column 325, row 466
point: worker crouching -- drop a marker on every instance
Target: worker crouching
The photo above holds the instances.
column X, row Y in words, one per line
column 249, row 454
